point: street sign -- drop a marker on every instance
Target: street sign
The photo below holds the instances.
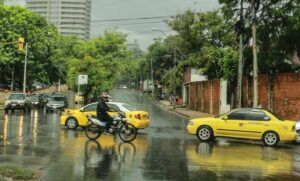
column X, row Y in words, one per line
column 82, row 79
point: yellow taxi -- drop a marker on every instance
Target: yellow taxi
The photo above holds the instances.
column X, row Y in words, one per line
column 246, row 123
column 72, row 118
column 78, row 98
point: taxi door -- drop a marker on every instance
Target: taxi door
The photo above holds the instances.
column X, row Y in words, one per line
column 86, row 111
column 257, row 123
column 232, row 125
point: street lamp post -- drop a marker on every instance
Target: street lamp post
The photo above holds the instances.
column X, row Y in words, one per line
column 152, row 92
column 174, row 48
column 25, row 68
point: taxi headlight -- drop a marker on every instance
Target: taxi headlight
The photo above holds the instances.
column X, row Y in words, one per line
column 67, row 113
column 7, row 102
column 191, row 123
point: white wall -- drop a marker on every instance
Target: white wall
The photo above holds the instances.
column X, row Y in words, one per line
column 196, row 75
column 224, row 107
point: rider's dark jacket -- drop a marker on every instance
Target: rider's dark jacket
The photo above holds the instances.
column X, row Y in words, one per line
column 102, row 110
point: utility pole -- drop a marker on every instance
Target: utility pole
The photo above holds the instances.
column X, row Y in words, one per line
column 152, row 92
column 240, row 29
column 255, row 77
column 78, row 87
column 12, row 78
column 25, row 68
column 174, row 101
column 175, row 61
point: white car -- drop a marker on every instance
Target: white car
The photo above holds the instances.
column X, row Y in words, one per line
column 121, row 106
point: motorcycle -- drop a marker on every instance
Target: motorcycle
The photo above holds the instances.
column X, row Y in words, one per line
column 126, row 131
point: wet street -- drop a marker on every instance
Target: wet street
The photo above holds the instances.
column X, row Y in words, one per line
column 163, row 151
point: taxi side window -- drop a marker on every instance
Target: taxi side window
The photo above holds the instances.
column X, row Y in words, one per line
column 258, row 116
column 238, row 115
column 112, row 106
column 90, row 108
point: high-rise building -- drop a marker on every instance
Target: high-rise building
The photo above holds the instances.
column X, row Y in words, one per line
column 71, row 17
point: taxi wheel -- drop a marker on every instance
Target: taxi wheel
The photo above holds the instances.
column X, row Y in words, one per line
column 270, row 138
column 205, row 133
column 71, row 123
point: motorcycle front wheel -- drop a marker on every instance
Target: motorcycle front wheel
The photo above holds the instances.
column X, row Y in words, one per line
column 92, row 131
column 127, row 133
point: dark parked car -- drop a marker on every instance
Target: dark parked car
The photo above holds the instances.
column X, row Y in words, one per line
column 45, row 98
column 17, row 101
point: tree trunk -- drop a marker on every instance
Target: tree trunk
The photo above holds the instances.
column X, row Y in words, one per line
column 12, row 78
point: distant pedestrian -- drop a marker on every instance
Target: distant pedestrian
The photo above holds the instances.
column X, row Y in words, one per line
column 171, row 99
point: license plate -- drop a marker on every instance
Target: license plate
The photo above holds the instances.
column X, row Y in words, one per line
column 13, row 105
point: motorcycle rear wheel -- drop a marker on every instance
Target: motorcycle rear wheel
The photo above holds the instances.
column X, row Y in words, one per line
column 127, row 134
column 92, row 131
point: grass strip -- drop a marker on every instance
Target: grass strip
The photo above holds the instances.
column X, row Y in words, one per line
column 16, row 172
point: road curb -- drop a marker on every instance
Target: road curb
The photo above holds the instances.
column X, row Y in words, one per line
column 169, row 108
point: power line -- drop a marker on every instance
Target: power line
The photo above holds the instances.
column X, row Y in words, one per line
column 130, row 19
column 142, row 32
column 128, row 24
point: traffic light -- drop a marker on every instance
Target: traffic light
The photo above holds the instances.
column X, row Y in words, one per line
column 21, row 43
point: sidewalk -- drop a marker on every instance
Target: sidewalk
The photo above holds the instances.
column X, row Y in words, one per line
column 184, row 111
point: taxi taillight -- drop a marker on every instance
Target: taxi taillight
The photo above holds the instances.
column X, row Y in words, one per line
column 294, row 128
column 137, row 116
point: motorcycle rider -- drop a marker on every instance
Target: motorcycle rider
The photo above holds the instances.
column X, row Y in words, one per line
column 102, row 111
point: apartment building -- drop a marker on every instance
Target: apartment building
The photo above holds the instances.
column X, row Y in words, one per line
column 71, row 17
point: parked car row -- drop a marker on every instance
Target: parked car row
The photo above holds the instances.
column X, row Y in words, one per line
column 25, row 102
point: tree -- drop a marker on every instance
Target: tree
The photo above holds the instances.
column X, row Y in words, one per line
column 203, row 40
column 98, row 58
column 210, row 41
column 276, row 30
column 277, row 25
column 40, row 37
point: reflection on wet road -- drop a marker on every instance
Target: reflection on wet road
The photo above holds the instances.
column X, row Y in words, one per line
column 161, row 152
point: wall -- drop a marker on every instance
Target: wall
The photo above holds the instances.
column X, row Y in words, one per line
column 286, row 101
column 205, row 96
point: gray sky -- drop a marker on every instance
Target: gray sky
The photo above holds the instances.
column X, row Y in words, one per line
column 141, row 29
column 131, row 9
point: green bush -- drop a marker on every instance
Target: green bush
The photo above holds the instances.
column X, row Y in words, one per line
column 15, row 172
